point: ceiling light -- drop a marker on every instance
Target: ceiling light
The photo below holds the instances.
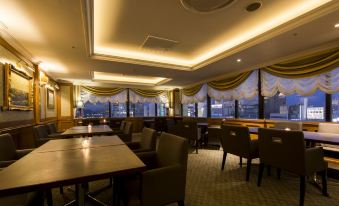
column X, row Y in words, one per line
column 336, row 25
column 128, row 79
column 253, row 6
column 238, row 60
column 206, row 6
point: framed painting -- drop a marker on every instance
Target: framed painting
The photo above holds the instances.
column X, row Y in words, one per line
column 50, row 99
column 18, row 94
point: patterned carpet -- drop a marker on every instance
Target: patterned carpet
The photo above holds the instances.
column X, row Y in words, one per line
column 208, row 185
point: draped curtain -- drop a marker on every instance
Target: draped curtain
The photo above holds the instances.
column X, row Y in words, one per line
column 247, row 88
column 194, row 94
column 102, row 95
column 148, row 96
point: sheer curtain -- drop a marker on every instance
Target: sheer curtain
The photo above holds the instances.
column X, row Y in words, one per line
column 136, row 98
column 326, row 82
column 92, row 98
column 247, row 90
column 198, row 97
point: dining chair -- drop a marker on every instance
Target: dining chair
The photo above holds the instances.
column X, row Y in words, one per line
column 286, row 150
column 147, row 141
column 191, row 132
column 236, row 140
column 164, row 181
column 126, row 136
column 25, row 199
column 121, row 128
column 42, row 136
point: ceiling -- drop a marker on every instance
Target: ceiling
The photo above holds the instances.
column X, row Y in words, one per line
column 74, row 39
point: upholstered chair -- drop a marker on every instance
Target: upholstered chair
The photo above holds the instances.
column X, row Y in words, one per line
column 121, row 128
column 126, row 136
column 164, row 181
column 41, row 135
column 236, row 140
column 147, row 141
column 288, row 125
column 26, row 199
column 191, row 131
column 8, row 153
column 286, row 150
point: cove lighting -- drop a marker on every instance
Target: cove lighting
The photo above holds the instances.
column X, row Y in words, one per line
column 128, row 79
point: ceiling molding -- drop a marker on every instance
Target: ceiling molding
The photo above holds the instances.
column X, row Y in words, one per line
column 88, row 19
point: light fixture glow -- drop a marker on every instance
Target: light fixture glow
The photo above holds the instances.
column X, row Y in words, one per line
column 128, row 79
column 336, row 25
column 238, row 60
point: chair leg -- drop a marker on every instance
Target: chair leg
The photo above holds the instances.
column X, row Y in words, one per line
column 240, row 161
column 49, row 197
column 261, row 172
column 181, row 203
column 279, row 173
column 223, row 160
column 302, row 190
column 324, row 183
column 196, row 146
column 61, row 190
column 248, row 169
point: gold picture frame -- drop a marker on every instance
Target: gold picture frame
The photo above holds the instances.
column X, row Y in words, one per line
column 50, row 99
column 18, row 94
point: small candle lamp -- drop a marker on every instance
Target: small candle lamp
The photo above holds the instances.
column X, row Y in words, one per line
column 287, row 129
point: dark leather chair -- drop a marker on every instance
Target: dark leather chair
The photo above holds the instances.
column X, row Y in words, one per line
column 126, row 136
column 147, row 142
column 121, row 128
column 297, row 126
column 286, row 150
column 26, row 199
column 236, row 140
column 164, row 181
column 191, row 131
column 41, row 135
column 8, row 153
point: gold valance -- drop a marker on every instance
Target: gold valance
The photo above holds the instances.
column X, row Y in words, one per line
column 102, row 91
column 147, row 93
column 230, row 82
column 191, row 90
column 308, row 66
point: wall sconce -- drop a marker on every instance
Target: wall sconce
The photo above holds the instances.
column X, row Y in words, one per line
column 80, row 104
column 167, row 105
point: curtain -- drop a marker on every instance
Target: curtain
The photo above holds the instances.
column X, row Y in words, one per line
column 191, row 91
column 87, row 96
column 327, row 82
column 153, row 96
column 307, row 66
column 102, row 91
column 199, row 96
column 248, row 89
column 229, row 83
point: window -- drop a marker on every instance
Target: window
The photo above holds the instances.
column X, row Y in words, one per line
column 249, row 109
column 335, row 107
column 142, row 110
column 202, row 109
column 296, row 107
column 161, row 110
column 118, row 110
column 96, row 110
column 222, row 109
column 188, row 110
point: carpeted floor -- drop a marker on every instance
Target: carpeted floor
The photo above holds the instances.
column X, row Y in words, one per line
column 208, row 185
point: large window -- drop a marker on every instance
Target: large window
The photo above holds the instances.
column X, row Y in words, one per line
column 118, row 110
column 188, row 110
column 96, row 110
column 161, row 110
column 142, row 110
column 296, row 107
column 249, row 109
column 222, row 109
column 335, row 107
column 202, row 109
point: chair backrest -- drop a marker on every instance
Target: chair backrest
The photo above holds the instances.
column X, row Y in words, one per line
column 7, row 148
column 172, row 150
column 148, row 139
column 189, row 130
column 122, row 125
column 282, row 149
column 235, row 140
column 51, row 128
column 128, row 128
column 40, row 131
column 170, row 123
column 298, row 126
column 329, row 128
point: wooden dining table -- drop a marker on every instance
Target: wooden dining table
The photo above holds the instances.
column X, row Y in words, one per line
column 70, row 162
column 88, row 130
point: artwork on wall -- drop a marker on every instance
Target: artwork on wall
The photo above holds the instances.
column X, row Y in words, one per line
column 18, row 89
column 50, row 99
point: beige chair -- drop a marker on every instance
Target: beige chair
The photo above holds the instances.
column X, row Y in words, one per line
column 330, row 150
column 288, row 125
column 164, row 181
column 147, row 142
column 286, row 150
column 236, row 140
column 126, row 136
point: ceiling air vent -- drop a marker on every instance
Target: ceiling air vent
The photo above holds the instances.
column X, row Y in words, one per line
column 253, row 6
column 206, row 5
column 158, row 44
